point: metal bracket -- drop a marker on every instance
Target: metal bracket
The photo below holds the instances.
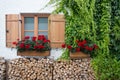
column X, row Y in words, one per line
column 20, row 21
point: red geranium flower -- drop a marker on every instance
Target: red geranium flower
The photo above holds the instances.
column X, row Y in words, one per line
column 15, row 43
column 77, row 49
column 37, row 43
column 69, row 47
column 27, row 46
column 22, row 45
column 95, row 46
column 41, row 37
column 23, row 40
column 35, row 47
column 40, row 46
column 48, row 40
column 45, row 41
column 81, row 44
column 33, row 38
column 33, row 44
column 63, row 45
column 84, row 42
column 88, row 48
column 27, row 37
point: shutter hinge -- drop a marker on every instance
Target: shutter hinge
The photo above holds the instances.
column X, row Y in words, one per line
column 7, row 31
column 20, row 21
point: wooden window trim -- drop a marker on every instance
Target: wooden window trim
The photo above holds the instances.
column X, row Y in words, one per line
column 43, row 30
column 28, row 30
column 36, row 16
column 56, row 28
column 36, row 25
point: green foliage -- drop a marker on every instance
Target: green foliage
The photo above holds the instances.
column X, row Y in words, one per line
column 94, row 20
column 88, row 20
column 115, row 28
column 82, row 46
column 65, row 55
column 106, row 67
column 39, row 43
column 97, row 21
column 79, row 19
column 102, row 20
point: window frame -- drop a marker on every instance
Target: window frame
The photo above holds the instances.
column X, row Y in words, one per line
column 35, row 16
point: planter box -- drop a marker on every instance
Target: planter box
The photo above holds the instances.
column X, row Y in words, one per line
column 79, row 55
column 33, row 53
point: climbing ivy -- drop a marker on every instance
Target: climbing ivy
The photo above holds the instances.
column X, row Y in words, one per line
column 115, row 28
column 102, row 20
column 95, row 20
column 79, row 19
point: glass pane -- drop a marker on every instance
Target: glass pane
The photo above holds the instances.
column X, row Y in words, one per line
column 31, row 34
column 43, row 33
column 43, row 23
column 29, row 23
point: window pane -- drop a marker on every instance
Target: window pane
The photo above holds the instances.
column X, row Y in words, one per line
column 43, row 33
column 29, row 23
column 43, row 23
column 31, row 34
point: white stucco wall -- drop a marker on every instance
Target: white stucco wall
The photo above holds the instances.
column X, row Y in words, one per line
column 16, row 7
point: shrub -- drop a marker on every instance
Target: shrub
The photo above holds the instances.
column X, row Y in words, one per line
column 106, row 67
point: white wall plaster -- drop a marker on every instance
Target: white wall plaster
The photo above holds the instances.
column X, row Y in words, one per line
column 17, row 7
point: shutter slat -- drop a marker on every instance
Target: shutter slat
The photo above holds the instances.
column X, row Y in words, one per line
column 56, row 30
column 12, row 29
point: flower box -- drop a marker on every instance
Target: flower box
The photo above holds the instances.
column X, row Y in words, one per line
column 79, row 55
column 34, row 46
column 81, row 49
column 33, row 53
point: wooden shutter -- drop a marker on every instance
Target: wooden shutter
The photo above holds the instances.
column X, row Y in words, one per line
column 12, row 29
column 56, row 30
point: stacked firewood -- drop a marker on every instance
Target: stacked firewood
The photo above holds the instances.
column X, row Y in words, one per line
column 30, row 69
column 86, row 72
column 2, row 68
column 47, row 69
column 73, row 70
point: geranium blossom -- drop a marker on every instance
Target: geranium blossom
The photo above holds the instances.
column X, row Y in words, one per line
column 81, row 45
column 39, row 43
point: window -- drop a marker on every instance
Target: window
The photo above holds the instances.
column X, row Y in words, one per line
column 29, row 26
column 43, row 26
column 34, row 24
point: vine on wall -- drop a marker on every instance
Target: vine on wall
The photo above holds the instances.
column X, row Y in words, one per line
column 115, row 28
column 99, row 22
column 94, row 20
column 102, row 20
column 79, row 19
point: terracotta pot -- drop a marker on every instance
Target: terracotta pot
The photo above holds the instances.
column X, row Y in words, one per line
column 33, row 53
column 79, row 55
